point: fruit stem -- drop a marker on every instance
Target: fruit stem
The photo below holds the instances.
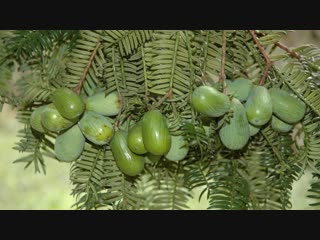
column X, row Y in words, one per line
column 223, row 61
column 266, row 57
column 80, row 84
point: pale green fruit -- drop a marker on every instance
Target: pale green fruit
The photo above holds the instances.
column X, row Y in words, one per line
column 239, row 88
column 69, row 144
column 105, row 105
column 279, row 125
column 96, row 128
column 179, row 149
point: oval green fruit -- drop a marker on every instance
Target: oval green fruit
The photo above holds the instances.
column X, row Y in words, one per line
column 135, row 140
column 279, row 125
column 253, row 130
column 209, row 101
column 35, row 120
column 179, row 149
column 68, row 103
column 105, row 105
column 69, row 144
column 128, row 162
column 239, row 88
column 96, row 128
column 235, row 134
column 259, row 106
column 149, row 157
column 286, row 107
column 155, row 133
column 52, row 120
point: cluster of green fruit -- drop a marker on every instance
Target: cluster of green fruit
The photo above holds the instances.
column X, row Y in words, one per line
column 252, row 107
column 75, row 120
column 147, row 140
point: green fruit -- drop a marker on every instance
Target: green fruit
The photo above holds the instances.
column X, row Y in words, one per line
column 105, row 105
column 280, row 126
column 239, row 88
column 69, row 144
column 286, row 107
column 253, row 130
column 155, row 133
column 152, row 158
column 209, row 101
column 35, row 120
column 259, row 106
column 52, row 120
column 68, row 103
column 96, row 128
column 235, row 134
column 135, row 141
column 128, row 162
column 179, row 149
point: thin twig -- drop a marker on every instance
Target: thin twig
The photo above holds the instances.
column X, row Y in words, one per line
column 266, row 57
column 168, row 95
column 285, row 48
column 291, row 53
column 223, row 61
column 80, row 84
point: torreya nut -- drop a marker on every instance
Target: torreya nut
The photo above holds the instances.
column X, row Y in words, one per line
column 239, row 88
column 253, row 130
column 279, row 125
column 287, row 107
column 135, row 140
column 96, row 128
column 259, row 106
column 209, row 101
column 235, row 134
column 105, row 105
column 179, row 149
column 52, row 120
column 69, row 144
column 155, row 133
column 35, row 120
column 68, row 103
column 128, row 162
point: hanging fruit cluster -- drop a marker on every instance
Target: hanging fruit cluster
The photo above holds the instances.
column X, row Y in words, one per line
column 251, row 107
column 76, row 120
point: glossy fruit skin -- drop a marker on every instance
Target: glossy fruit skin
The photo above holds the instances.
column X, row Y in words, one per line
column 35, row 120
column 52, row 120
column 128, row 162
column 135, row 140
column 69, row 144
column 105, row 105
column 68, row 103
column 239, row 88
column 279, row 125
column 155, row 133
column 209, row 101
column 179, row 149
column 152, row 158
column 253, row 130
column 235, row 134
column 259, row 106
column 96, row 128
column 287, row 107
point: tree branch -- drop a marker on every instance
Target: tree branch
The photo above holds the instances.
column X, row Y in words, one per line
column 80, row 84
column 222, row 78
column 266, row 57
column 291, row 53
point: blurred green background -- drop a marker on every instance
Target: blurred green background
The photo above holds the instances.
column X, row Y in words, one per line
column 23, row 189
